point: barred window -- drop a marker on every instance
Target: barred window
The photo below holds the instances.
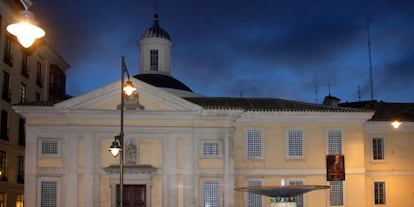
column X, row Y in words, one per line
column 379, row 193
column 295, row 143
column 254, row 200
column 253, row 143
column 378, row 148
column 211, row 149
column 23, row 93
column 211, row 192
column 299, row 198
column 48, row 194
column 334, row 139
column 336, row 193
column 49, row 147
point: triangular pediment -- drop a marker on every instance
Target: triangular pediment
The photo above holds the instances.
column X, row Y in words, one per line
column 109, row 98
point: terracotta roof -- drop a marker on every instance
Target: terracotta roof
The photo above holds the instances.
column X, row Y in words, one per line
column 385, row 111
column 265, row 104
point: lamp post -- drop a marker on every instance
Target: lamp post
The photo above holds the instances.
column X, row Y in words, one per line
column 25, row 31
column 127, row 88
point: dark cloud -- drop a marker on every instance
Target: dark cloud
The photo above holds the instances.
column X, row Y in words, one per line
column 267, row 48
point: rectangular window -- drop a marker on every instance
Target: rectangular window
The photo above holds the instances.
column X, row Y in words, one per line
column 334, row 141
column 378, row 148
column 19, row 200
column 25, row 66
column 8, row 55
column 295, row 145
column 153, row 60
column 299, row 198
column 6, row 92
column 23, row 93
column 4, row 125
column 39, row 74
column 22, row 132
column 48, row 191
column 211, row 192
column 3, row 166
column 20, row 169
column 211, row 149
column 3, row 199
column 336, row 193
column 253, row 143
column 254, row 200
column 379, row 193
column 37, row 96
column 49, row 147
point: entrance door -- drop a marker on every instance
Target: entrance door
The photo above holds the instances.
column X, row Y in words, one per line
column 134, row 195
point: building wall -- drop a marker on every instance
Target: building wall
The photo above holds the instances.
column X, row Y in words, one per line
column 396, row 169
column 171, row 163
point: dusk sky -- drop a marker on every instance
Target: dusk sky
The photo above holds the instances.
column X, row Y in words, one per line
column 266, row 48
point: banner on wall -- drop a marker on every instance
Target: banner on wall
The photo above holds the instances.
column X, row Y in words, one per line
column 335, row 167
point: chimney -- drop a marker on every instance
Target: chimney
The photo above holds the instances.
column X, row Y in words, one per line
column 331, row 101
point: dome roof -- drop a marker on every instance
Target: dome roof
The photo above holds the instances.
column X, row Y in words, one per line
column 156, row 31
column 162, row 81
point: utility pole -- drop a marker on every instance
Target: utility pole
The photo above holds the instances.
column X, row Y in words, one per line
column 369, row 20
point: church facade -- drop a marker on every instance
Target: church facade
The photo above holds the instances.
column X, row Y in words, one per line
column 182, row 149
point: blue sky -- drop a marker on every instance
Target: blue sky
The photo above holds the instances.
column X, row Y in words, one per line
column 266, row 48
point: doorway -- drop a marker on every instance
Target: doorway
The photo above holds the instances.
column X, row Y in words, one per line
column 134, row 195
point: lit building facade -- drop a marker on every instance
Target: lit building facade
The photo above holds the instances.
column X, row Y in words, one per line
column 26, row 75
column 185, row 150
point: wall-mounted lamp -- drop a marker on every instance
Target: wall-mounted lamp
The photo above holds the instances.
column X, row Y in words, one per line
column 396, row 123
column 25, row 30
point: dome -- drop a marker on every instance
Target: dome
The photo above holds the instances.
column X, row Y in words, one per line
column 156, row 31
column 162, row 81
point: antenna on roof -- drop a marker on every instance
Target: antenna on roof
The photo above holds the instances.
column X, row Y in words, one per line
column 316, row 93
column 369, row 20
column 359, row 94
column 156, row 6
column 329, row 89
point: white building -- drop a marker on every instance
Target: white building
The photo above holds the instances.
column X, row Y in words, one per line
column 184, row 150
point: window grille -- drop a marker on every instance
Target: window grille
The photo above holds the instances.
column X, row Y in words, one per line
column 211, row 193
column 211, row 148
column 23, row 93
column 49, row 147
column 378, row 148
column 379, row 191
column 334, row 141
column 295, row 143
column 48, row 194
column 254, row 200
column 336, row 193
column 253, row 143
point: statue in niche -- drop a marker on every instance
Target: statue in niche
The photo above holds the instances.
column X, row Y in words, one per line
column 131, row 152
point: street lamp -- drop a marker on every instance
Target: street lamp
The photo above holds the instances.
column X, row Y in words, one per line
column 25, row 30
column 127, row 88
